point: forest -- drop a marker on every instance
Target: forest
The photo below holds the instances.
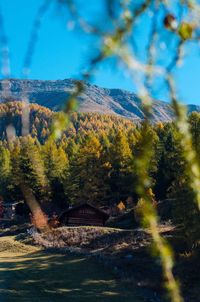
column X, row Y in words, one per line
column 94, row 161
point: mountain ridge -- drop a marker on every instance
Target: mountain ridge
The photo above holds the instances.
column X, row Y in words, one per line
column 54, row 93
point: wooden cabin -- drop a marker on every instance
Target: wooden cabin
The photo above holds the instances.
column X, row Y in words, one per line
column 83, row 214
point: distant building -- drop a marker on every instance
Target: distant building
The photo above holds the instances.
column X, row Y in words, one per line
column 7, row 210
column 83, row 214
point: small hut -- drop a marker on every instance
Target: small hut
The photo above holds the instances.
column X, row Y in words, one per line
column 83, row 214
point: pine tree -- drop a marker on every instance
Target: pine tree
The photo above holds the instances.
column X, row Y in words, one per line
column 56, row 169
column 170, row 162
column 31, row 168
column 5, row 171
column 14, row 186
column 121, row 172
column 194, row 121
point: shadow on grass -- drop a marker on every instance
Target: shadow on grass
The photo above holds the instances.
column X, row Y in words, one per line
column 44, row 276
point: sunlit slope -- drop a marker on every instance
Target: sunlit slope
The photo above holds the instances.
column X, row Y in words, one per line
column 41, row 121
column 54, row 94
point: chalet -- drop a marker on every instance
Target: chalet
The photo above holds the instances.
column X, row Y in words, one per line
column 83, row 214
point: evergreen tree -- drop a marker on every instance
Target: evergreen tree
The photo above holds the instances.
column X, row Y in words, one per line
column 31, row 168
column 5, row 171
column 194, row 121
column 185, row 212
column 121, row 181
column 170, row 162
column 56, row 169
column 14, row 187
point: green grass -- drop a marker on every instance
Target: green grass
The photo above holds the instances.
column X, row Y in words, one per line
column 36, row 275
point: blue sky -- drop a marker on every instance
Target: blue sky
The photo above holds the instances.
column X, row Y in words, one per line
column 62, row 53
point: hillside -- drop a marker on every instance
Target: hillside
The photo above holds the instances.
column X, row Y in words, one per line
column 41, row 119
column 53, row 94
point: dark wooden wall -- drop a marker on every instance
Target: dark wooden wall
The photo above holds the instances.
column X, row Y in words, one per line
column 83, row 216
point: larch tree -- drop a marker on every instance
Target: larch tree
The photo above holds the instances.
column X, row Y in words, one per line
column 86, row 183
column 56, row 169
column 121, row 171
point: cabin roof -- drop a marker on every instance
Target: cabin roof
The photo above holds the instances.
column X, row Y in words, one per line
column 10, row 204
column 85, row 204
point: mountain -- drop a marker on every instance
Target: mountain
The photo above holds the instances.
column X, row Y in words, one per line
column 54, row 94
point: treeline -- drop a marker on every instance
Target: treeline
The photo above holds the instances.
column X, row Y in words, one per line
column 95, row 161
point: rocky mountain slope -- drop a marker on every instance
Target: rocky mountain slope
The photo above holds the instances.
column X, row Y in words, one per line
column 53, row 94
